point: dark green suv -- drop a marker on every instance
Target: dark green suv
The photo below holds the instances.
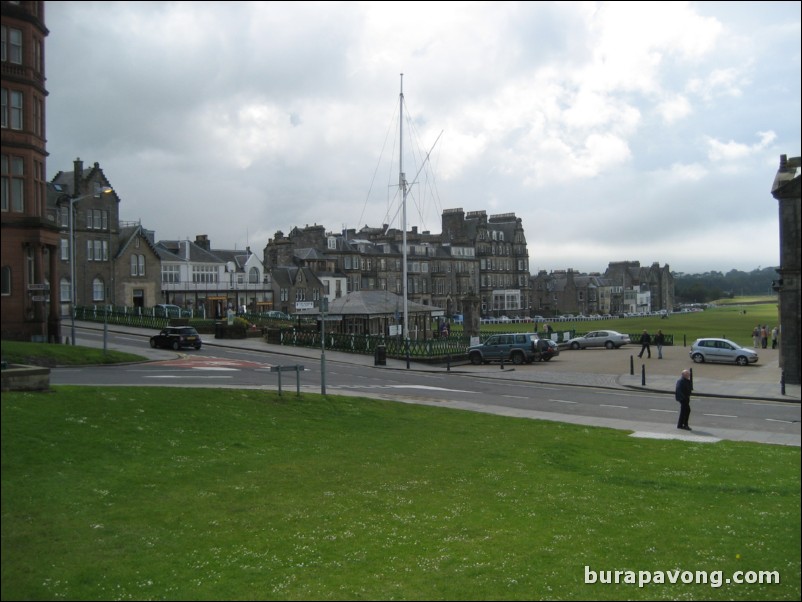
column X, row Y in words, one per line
column 518, row 348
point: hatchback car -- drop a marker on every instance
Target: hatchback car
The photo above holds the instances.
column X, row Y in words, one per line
column 721, row 350
column 600, row 338
column 547, row 349
column 176, row 337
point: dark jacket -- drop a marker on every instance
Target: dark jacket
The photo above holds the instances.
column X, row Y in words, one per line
column 683, row 391
column 645, row 339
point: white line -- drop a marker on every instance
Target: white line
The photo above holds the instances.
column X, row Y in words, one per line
column 562, row 401
column 605, row 405
column 720, row 415
column 192, row 376
column 514, row 397
column 656, row 410
column 776, row 420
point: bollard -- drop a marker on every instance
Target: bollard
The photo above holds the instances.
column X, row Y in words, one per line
column 632, row 365
column 643, row 375
column 691, row 371
column 448, row 363
column 502, row 362
column 782, row 382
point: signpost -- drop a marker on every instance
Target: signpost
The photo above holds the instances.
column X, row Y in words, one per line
column 296, row 369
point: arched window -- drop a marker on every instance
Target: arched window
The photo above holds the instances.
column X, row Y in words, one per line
column 253, row 276
column 98, row 290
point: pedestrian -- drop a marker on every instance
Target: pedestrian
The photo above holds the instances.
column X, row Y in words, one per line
column 764, row 336
column 683, row 395
column 659, row 340
column 645, row 341
column 756, row 336
column 774, row 333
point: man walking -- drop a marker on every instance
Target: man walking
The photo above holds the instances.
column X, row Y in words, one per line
column 645, row 341
column 683, row 396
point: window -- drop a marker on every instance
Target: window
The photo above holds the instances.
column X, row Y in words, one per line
column 5, row 278
column 98, row 290
column 171, row 273
column 133, row 265
column 253, row 276
column 64, row 290
column 12, row 171
column 141, row 261
column 65, row 249
column 12, row 45
column 11, row 109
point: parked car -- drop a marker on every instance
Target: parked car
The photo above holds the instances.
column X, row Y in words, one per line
column 165, row 310
column 600, row 338
column 547, row 349
column 176, row 337
column 517, row 348
column 721, row 350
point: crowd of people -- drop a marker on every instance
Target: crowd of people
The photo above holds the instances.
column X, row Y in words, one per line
column 761, row 334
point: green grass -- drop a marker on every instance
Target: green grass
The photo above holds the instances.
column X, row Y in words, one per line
column 206, row 494
column 734, row 321
column 50, row 354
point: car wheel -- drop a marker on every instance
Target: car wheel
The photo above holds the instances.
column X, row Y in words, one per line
column 742, row 360
column 153, row 343
column 517, row 358
column 698, row 358
column 574, row 346
column 476, row 359
column 609, row 344
column 176, row 346
column 197, row 346
column 546, row 358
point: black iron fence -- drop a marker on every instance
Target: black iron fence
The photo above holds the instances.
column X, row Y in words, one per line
column 441, row 348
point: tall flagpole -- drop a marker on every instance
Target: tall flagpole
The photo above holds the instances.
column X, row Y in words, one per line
column 402, row 182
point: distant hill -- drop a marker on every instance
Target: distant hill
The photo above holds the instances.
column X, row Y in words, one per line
column 709, row 286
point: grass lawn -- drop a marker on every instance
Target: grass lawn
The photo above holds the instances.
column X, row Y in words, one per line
column 210, row 494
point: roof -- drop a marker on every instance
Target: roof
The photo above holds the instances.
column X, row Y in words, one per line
column 372, row 302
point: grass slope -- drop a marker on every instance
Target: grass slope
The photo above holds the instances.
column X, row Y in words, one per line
column 209, row 494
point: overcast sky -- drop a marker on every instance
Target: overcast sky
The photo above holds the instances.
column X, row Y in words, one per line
column 616, row 131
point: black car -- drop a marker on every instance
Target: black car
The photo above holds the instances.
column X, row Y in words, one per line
column 546, row 349
column 176, row 337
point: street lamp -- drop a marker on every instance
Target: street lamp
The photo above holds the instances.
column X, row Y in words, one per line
column 73, row 199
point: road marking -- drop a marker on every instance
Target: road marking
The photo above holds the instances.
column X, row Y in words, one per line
column 720, row 415
column 658, row 410
column 607, row 405
column 785, row 421
column 562, row 401
column 194, row 376
column 514, row 397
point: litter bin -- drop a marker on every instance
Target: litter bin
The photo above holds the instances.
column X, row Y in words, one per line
column 219, row 329
column 380, row 357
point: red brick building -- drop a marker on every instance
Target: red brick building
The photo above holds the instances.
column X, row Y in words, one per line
column 30, row 231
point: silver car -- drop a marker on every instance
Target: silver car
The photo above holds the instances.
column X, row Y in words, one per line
column 721, row 350
column 600, row 338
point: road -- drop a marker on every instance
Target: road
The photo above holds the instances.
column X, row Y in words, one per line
column 507, row 391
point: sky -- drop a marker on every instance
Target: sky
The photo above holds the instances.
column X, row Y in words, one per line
column 637, row 131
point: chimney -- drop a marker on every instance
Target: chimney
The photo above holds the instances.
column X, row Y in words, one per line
column 77, row 175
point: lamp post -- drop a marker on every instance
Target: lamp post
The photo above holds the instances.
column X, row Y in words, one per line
column 73, row 199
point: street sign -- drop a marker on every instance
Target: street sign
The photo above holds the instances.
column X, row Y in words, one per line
column 39, row 287
column 39, row 298
column 304, row 305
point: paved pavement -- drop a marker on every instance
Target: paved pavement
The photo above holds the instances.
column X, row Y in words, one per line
column 599, row 368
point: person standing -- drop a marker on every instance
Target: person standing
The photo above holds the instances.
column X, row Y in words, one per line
column 683, row 395
column 764, row 336
column 659, row 340
column 756, row 336
column 774, row 334
column 645, row 341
